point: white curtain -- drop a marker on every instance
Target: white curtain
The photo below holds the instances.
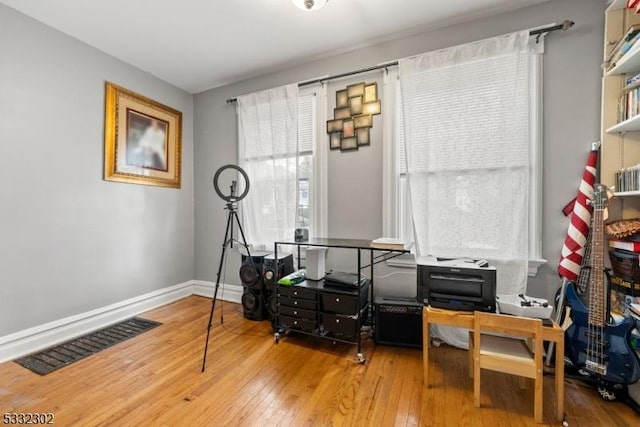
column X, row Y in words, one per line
column 268, row 152
column 466, row 122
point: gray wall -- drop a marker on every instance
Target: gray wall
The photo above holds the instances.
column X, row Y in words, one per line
column 571, row 121
column 71, row 242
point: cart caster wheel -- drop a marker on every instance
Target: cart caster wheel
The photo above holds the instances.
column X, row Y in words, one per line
column 276, row 337
column 361, row 358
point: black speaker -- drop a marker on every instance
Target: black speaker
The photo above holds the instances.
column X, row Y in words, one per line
column 398, row 322
column 254, row 304
column 273, row 271
column 251, row 272
column 272, row 305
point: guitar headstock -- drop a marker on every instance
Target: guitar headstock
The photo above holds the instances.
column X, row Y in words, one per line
column 600, row 196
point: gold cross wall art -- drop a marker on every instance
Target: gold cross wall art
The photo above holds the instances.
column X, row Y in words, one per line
column 353, row 116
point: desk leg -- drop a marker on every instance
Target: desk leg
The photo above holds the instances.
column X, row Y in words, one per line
column 425, row 348
column 560, row 376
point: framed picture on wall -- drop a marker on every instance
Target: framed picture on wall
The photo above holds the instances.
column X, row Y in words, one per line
column 363, row 121
column 371, row 107
column 349, row 144
column 355, row 90
column 334, row 140
column 362, row 136
column 142, row 140
column 347, row 129
column 370, row 92
column 342, row 113
column 355, row 105
column 342, row 99
column 334, row 125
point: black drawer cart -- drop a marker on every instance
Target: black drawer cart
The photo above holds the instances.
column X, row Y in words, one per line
column 329, row 312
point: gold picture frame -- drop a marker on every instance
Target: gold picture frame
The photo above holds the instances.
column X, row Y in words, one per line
column 371, row 107
column 342, row 113
column 334, row 140
column 355, row 105
column 142, row 139
column 342, row 99
column 370, row 92
column 355, row 90
column 347, row 129
column 347, row 144
column 334, row 125
column 362, row 136
column 363, row 121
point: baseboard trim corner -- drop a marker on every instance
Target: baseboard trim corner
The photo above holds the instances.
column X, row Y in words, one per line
column 226, row 292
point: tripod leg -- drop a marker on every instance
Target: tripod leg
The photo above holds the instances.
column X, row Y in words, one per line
column 215, row 292
column 244, row 241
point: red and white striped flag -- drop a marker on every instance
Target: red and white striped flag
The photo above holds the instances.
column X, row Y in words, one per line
column 580, row 220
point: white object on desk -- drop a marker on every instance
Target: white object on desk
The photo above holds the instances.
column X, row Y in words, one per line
column 512, row 304
column 316, row 262
column 391, row 243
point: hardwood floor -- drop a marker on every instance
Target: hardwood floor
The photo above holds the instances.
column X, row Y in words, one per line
column 155, row 379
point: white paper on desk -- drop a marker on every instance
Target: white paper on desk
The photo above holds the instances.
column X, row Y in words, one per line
column 388, row 241
column 392, row 241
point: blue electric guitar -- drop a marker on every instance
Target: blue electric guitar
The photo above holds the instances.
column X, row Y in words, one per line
column 592, row 342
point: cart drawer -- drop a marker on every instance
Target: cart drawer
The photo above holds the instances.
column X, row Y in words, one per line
column 298, row 313
column 302, row 324
column 343, row 303
column 341, row 326
column 297, row 292
column 298, row 303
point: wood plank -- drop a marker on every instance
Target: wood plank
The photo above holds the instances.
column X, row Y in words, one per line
column 156, row 379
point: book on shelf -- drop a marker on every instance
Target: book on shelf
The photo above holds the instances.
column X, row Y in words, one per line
column 629, row 100
column 623, row 45
column 628, row 179
column 631, row 80
column 625, row 245
column 390, row 243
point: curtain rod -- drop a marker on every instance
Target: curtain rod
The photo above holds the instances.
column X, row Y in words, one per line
column 566, row 24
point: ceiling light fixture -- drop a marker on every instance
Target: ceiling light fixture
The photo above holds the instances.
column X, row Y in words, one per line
column 309, row 5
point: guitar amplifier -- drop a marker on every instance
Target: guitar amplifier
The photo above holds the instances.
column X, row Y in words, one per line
column 398, row 322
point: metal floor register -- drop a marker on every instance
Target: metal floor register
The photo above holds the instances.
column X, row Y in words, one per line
column 64, row 354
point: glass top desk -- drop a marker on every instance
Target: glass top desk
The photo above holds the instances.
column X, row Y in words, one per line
column 377, row 254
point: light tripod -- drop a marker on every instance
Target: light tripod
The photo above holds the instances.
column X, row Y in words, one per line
column 232, row 217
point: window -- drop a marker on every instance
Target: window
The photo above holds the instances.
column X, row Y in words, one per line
column 396, row 204
column 280, row 150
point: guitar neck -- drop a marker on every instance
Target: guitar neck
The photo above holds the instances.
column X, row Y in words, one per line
column 585, row 267
column 597, row 289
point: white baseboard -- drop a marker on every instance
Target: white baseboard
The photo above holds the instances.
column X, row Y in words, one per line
column 30, row 340
column 231, row 293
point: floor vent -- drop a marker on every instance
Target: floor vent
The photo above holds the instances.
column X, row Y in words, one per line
column 64, row 354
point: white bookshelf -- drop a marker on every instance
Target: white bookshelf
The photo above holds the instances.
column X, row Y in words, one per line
column 629, row 125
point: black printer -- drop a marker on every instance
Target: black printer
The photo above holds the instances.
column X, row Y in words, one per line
column 456, row 284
